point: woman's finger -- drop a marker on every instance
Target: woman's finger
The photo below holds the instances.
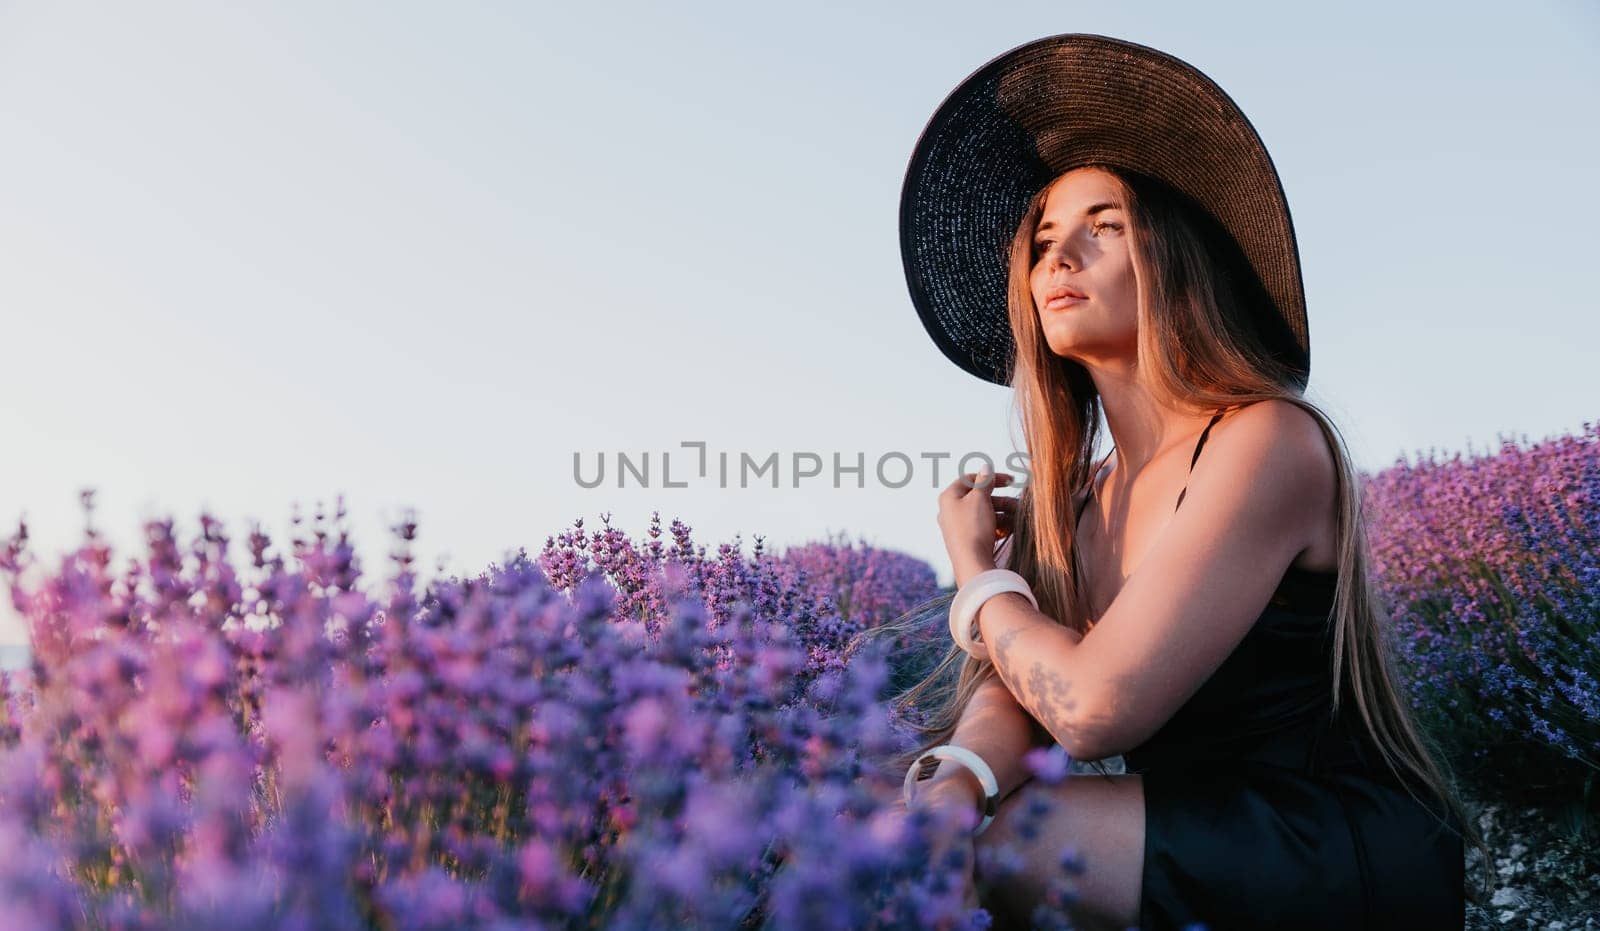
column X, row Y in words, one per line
column 969, row 481
column 994, row 480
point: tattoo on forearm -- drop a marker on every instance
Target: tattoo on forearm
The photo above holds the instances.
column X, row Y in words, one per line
column 1048, row 697
column 1044, row 694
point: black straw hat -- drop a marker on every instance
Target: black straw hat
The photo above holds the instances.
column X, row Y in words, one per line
column 1055, row 104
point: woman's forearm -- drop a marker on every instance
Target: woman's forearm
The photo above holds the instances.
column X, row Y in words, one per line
column 996, row 728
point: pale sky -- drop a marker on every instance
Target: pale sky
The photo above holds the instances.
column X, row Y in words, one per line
column 421, row 254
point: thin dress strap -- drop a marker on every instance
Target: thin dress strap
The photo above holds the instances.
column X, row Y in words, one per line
column 1197, row 447
column 1194, row 459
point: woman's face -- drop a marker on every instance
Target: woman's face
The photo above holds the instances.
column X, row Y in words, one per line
column 1081, row 246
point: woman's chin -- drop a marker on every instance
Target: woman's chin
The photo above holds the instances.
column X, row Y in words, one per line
column 1060, row 343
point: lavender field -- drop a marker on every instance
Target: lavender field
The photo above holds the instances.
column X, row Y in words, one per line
column 632, row 733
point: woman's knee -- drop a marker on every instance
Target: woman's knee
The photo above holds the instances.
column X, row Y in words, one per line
column 1004, row 856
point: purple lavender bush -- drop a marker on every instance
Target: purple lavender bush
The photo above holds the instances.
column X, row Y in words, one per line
column 873, row 587
column 1491, row 569
column 610, row 735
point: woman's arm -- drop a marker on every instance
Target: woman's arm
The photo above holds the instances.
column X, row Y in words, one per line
column 996, row 728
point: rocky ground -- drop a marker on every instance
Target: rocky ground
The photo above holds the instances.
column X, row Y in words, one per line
column 1544, row 877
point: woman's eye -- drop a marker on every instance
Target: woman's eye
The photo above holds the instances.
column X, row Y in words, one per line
column 1041, row 246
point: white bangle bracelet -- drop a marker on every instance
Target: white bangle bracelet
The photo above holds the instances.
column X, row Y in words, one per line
column 972, row 761
column 980, row 588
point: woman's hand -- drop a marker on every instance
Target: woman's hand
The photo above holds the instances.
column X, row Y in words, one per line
column 971, row 519
column 955, row 818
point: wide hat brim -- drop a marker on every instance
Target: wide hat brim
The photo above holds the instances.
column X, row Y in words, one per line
column 1055, row 104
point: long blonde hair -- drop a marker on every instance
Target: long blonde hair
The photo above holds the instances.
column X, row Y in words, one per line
column 1209, row 336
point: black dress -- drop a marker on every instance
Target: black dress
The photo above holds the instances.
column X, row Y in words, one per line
column 1260, row 812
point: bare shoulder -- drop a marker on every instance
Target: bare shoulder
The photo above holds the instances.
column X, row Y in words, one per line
column 1279, row 423
column 1281, row 447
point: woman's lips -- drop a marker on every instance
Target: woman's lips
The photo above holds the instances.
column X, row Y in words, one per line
column 1063, row 302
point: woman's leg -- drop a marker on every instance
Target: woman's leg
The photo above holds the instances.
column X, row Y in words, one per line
column 1103, row 817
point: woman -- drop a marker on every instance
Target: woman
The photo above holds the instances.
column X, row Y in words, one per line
column 1095, row 224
